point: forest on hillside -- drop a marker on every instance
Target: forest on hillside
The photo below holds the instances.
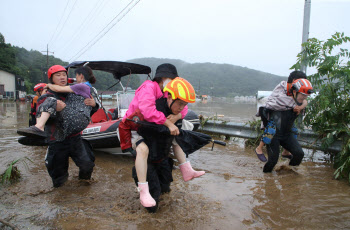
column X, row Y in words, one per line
column 222, row 80
column 32, row 65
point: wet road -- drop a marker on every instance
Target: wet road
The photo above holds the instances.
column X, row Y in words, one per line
column 233, row 194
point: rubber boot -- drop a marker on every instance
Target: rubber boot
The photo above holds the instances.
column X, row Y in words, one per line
column 145, row 198
column 188, row 173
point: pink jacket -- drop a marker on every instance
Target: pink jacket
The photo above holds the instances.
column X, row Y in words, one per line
column 145, row 99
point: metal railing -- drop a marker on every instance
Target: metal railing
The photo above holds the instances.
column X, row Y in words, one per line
column 306, row 138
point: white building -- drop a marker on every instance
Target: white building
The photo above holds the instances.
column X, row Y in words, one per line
column 261, row 98
column 11, row 86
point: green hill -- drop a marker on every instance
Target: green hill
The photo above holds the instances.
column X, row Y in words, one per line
column 32, row 66
column 223, row 80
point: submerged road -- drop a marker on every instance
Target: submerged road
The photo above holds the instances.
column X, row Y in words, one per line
column 233, row 194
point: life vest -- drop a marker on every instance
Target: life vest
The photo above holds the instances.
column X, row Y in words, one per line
column 33, row 106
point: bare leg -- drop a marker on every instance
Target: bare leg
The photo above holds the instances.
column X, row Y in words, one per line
column 259, row 149
column 41, row 121
column 179, row 154
column 141, row 170
column 141, row 162
column 259, row 152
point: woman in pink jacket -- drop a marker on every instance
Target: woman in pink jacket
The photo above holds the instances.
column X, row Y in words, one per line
column 145, row 101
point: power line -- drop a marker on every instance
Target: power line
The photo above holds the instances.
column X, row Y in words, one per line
column 76, row 56
column 59, row 33
column 82, row 51
column 58, row 23
column 97, row 7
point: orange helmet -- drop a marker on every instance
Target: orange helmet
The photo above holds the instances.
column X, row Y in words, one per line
column 39, row 87
column 181, row 89
column 54, row 69
column 302, row 86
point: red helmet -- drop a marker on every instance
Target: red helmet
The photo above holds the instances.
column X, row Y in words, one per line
column 39, row 87
column 302, row 86
column 54, row 69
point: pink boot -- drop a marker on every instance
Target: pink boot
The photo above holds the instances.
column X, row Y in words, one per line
column 145, row 198
column 188, row 173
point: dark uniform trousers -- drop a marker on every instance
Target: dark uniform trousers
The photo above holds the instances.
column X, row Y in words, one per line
column 289, row 143
column 57, row 159
column 284, row 137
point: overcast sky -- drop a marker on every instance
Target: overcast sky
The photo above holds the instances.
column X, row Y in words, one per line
column 259, row 34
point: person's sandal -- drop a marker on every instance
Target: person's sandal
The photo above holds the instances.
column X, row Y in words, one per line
column 32, row 131
column 261, row 156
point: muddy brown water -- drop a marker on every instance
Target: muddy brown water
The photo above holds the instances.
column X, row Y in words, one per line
column 233, row 194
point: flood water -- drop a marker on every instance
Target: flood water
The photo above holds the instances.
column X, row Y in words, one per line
column 233, row 194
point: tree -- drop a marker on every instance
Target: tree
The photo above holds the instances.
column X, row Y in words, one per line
column 2, row 39
column 329, row 111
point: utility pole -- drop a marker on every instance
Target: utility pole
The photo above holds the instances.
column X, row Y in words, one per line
column 47, row 58
column 199, row 87
column 306, row 26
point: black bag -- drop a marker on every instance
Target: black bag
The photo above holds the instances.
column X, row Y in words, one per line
column 158, row 139
column 191, row 141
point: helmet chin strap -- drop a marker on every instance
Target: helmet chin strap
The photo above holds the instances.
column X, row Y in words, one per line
column 172, row 103
column 298, row 103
